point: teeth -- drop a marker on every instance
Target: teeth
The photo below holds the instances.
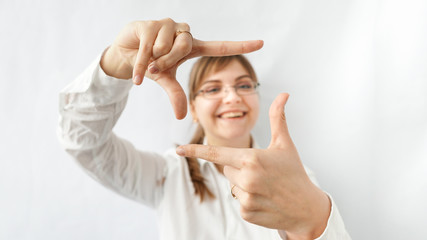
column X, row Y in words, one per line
column 232, row 114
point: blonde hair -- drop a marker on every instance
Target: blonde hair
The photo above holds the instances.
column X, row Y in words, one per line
column 203, row 67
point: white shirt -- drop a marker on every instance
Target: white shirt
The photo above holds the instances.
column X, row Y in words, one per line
column 91, row 105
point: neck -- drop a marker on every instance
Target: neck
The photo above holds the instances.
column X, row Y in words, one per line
column 242, row 142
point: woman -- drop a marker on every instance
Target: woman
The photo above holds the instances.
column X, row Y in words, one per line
column 195, row 198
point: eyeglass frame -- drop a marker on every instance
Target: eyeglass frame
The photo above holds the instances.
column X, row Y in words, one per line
column 202, row 92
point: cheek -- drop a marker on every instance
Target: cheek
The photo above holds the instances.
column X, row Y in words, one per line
column 205, row 110
column 253, row 103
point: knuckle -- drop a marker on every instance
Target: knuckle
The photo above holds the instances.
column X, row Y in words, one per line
column 248, row 184
column 168, row 20
column 138, row 66
column 151, row 23
column 248, row 202
column 189, row 150
column 183, row 47
column 222, row 48
column 146, row 48
column 246, row 214
column 184, row 26
column 243, row 48
column 162, row 64
column 250, row 161
column 212, row 153
column 227, row 170
column 161, row 49
column 246, row 162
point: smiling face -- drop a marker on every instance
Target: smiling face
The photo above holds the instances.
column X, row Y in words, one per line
column 228, row 120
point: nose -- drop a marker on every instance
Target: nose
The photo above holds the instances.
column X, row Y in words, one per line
column 230, row 95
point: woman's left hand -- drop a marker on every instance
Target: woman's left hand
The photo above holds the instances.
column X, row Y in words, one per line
column 271, row 184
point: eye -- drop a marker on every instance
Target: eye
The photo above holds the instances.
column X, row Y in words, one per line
column 212, row 90
column 245, row 85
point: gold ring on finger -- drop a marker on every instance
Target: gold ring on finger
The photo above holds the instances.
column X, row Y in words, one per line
column 232, row 194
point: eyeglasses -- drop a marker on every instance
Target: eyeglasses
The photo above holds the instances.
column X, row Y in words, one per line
column 217, row 90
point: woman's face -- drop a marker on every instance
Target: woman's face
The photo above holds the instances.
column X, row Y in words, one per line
column 231, row 117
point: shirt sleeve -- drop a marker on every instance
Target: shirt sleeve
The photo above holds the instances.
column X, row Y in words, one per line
column 335, row 228
column 89, row 108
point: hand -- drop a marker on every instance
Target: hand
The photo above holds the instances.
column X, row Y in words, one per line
column 271, row 184
column 156, row 46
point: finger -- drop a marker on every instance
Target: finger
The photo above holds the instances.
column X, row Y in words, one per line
column 224, row 48
column 250, row 202
column 164, row 41
column 146, row 41
column 279, row 128
column 237, row 180
column 176, row 95
column 220, row 155
column 180, row 49
column 233, row 175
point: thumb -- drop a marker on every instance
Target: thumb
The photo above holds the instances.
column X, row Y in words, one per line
column 176, row 95
column 279, row 129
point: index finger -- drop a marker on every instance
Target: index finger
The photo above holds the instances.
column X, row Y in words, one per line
column 146, row 42
column 220, row 155
column 224, row 48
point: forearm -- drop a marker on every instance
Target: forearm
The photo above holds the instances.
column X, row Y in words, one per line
column 89, row 108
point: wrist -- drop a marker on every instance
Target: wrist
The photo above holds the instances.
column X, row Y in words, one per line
column 113, row 65
column 322, row 212
column 316, row 222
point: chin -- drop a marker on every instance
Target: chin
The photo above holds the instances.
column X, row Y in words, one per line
column 234, row 135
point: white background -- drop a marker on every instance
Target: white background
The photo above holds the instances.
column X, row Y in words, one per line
column 356, row 72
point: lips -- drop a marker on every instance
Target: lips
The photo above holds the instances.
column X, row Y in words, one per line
column 232, row 114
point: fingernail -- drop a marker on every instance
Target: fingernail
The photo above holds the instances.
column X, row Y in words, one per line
column 137, row 79
column 180, row 151
column 153, row 69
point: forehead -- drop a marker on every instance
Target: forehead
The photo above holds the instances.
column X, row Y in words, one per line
column 230, row 73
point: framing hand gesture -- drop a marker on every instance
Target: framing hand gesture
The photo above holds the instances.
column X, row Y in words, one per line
column 271, row 184
column 155, row 49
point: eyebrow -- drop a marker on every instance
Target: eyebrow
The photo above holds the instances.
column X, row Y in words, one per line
column 217, row 80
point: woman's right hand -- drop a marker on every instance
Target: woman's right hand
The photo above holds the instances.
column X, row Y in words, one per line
column 155, row 49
